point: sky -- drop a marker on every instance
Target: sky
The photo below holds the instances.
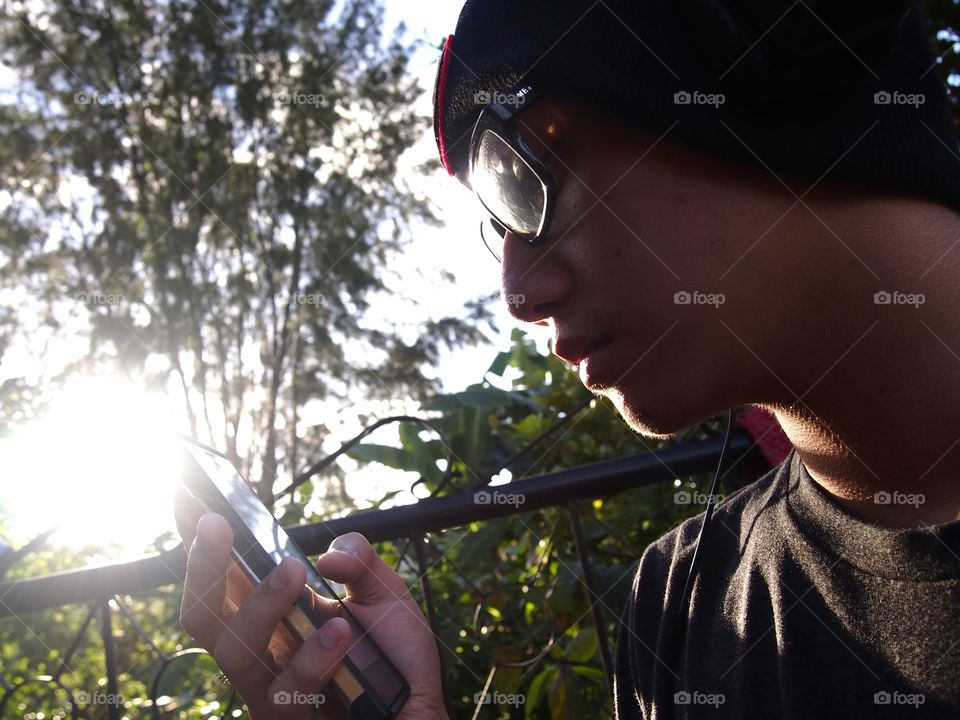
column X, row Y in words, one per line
column 457, row 246
column 90, row 490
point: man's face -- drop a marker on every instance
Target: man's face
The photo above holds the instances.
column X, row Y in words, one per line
column 647, row 275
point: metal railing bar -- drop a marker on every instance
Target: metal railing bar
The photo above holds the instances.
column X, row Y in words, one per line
column 110, row 660
column 583, row 482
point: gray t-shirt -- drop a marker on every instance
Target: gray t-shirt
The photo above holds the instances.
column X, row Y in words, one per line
column 799, row 611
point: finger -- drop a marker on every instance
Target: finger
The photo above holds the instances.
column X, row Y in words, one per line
column 204, row 588
column 187, row 512
column 299, row 690
column 241, row 648
column 351, row 560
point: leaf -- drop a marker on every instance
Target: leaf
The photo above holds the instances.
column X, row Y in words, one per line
column 474, row 550
column 557, row 697
column 536, row 691
column 384, row 454
column 593, row 673
column 499, row 364
column 565, row 699
column 583, row 647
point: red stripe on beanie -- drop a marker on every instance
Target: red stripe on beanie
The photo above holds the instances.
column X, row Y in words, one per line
column 441, row 98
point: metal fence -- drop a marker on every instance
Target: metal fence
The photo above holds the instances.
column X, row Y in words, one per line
column 99, row 589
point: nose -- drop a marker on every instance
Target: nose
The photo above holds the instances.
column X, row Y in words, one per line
column 535, row 279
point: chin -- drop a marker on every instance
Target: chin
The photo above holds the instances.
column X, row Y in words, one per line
column 649, row 421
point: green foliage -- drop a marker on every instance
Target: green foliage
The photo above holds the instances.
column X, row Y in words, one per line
column 34, row 655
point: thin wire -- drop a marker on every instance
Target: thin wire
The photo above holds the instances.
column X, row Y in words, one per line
column 708, row 514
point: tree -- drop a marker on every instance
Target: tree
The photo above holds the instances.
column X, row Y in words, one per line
column 207, row 193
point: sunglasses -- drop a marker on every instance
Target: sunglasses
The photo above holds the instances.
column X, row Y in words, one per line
column 511, row 182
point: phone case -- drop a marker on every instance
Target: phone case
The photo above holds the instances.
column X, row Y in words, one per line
column 367, row 682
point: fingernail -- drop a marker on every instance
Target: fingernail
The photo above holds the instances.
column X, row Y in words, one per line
column 331, row 634
column 349, row 544
column 279, row 578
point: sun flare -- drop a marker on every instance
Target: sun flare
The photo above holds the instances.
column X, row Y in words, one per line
column 100, row 466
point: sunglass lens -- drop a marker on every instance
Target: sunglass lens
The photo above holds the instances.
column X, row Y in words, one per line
column 508, row 186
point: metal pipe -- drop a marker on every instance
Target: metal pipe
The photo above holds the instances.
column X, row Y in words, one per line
column 110, row 660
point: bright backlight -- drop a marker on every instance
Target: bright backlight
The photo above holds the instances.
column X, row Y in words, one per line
column 101, row 466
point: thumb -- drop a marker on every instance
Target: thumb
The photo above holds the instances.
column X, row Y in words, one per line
column 314, row 665
column 351, row 560
column 187, row 512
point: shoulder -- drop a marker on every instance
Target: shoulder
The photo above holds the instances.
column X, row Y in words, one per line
column 651, row 626
column 734, row 521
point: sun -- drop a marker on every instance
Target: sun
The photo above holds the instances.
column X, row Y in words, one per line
column 101, row 466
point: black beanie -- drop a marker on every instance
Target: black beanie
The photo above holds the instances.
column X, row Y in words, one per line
column 847, row 90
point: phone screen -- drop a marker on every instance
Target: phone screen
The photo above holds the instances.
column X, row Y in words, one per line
column 260, row 543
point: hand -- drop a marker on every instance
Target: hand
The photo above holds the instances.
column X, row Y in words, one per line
column 240, row 625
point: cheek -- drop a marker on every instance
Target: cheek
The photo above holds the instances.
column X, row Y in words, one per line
column 642, row 243
column 612, row 253
column 642, row 246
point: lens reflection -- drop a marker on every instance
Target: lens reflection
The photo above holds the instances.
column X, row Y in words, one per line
column 508, row 186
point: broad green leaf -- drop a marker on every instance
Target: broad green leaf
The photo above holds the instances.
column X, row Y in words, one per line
column 583, row 647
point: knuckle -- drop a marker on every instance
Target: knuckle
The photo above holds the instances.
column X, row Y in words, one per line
column 278, row 697
column 228, row 656
column 301, row 677
column 189, row 621
column 395, row 585
column 260, row 609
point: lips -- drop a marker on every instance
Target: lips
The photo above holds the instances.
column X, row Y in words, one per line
column 574, row 350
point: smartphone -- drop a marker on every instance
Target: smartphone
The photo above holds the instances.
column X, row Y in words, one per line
column 367, row 682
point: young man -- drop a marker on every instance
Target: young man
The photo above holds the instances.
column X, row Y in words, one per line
column 713, row 204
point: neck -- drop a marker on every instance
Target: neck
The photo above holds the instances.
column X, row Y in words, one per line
column 879, row 427
column 902, row 474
